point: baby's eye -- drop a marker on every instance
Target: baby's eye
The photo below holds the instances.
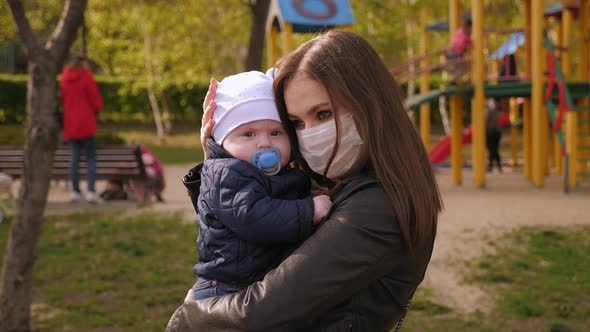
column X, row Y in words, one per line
column 275, row 133
column 298, row 124
column 322, row 115
column 249, row 134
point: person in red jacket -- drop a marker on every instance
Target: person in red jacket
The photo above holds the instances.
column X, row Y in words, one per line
column 81, row 102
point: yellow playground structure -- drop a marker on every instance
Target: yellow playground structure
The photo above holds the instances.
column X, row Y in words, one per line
column 554, row 121
column 556, row 114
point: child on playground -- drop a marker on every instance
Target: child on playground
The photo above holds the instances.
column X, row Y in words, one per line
column 460, row 44
column 252, row 206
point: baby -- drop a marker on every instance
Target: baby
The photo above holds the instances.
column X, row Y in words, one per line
column 252, row 206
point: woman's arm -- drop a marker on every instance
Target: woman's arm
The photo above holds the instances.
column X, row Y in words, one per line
column 358, row 244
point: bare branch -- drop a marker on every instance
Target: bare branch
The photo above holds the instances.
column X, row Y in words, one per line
column 24, row 28
column 65, row 33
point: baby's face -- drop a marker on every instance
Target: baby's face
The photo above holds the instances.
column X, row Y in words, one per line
column 250, row 137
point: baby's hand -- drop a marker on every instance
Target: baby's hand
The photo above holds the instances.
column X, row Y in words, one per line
column 321, row 206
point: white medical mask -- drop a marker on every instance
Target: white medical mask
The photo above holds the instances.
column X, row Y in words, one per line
column 317, row 143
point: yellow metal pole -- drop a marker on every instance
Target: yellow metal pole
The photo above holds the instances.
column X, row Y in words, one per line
column 455, row 103
column 513, row 131
column 424, row 82
column 271, row 46
column 551, row 160
column 454, row 16
column 538, row 120
column 571, row 146
column 547, row 147
column 558, row 37
column 527, row 114
column 566, row 68
column 566, row 40
column 477, row 108
column 495, row 70
column 584, row 117
column 527, row 134
column 287, row 38
column 583, row 36
column 558, row 158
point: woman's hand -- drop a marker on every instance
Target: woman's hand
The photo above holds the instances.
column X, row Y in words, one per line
column 207, row 122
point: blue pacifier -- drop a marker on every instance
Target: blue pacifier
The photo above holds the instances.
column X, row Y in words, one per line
column 268, row 159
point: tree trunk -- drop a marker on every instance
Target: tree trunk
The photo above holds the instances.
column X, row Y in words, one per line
column 41, row 140
column 42, row 133
column 256, row 43
column 149, row 68
column 166, row 116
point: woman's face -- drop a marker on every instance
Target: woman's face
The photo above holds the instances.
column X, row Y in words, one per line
column 308, row 102
column 309, row 105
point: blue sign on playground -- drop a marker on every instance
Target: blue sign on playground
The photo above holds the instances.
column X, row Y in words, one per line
column 309, row 14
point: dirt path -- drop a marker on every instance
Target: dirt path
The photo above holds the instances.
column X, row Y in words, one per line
column 472, row 218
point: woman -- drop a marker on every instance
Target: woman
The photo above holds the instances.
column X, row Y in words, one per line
column 362, row 265
column 81, row 102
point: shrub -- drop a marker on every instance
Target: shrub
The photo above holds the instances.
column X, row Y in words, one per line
column 15, row 135
column 122, row 101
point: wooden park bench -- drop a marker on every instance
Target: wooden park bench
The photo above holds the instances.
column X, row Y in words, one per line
column 121, row 162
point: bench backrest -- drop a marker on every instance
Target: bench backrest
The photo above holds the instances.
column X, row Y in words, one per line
column 111, row 161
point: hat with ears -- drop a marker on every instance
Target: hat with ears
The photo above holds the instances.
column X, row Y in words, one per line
column 243, row 98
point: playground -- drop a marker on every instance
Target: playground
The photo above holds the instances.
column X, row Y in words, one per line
column 546, row 94
column 513, row 245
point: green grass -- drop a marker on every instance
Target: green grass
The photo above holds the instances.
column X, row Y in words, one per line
column 539, row 276
column 106, row 272
column 177, row 155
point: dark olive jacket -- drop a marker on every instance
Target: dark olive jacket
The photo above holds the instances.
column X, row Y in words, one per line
column 352, row 274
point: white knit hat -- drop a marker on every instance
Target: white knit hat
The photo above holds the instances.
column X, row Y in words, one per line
column 243, row 98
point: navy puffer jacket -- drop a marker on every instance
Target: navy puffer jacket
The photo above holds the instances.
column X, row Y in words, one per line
column 247, row 220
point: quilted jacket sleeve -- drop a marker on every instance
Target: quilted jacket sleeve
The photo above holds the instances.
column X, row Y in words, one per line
column 243, row 205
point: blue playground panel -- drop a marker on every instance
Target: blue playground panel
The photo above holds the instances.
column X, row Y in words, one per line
column 510, row 46
column 316, row 15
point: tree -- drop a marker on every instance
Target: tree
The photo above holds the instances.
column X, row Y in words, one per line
column 259, row 10
column 42, row 128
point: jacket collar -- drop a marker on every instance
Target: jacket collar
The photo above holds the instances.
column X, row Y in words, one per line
column 216, row 150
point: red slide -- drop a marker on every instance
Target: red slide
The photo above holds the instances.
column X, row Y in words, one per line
column 442, row 149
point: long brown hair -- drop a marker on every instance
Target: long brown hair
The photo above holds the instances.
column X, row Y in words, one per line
column 355, row 76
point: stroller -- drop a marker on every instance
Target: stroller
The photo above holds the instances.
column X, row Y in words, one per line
column 7, row 201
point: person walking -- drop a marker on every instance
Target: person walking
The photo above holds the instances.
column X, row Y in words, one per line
column 81, row 102
column 493, row 135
